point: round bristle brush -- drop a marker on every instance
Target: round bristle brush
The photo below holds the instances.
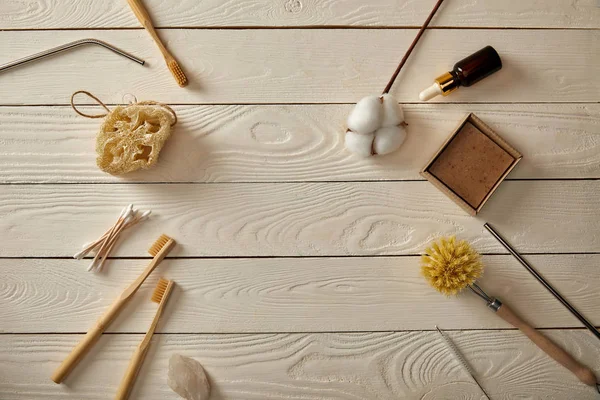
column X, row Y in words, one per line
column 451, row 265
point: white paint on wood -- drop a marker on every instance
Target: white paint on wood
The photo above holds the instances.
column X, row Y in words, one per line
column 289, row 295
column 348, row 366
column 277, row 143
column 301, row 66
column 294, row 143
column 314, row 219
column 52, row 14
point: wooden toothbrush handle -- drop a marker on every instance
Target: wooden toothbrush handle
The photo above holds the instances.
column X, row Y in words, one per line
column 86, row 343
column 142, row 15
column 140, row 353
column 582, row 372
column 135, row 364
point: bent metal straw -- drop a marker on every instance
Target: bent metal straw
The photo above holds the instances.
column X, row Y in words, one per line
column 69, row 46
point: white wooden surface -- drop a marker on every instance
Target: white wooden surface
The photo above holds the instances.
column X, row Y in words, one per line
column 298, row 219
column 315, row 366
column 295, row 143
column 289, row 295
column 302, row 65
column 297, row 268
column 49, row 14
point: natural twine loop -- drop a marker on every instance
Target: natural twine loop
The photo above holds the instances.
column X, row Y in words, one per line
column 148, row 102
column 93, row 97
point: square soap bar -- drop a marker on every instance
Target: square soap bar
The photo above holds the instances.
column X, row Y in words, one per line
column 471, row 164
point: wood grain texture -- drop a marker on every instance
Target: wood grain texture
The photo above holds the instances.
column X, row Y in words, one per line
column 251, row 172
column 294, row 143
column 401, row 365
column 288, row 295
column 46, row 14
column 301, row 66
column 314, row 219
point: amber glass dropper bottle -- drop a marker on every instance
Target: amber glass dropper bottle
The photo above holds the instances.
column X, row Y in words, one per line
column 465, row 73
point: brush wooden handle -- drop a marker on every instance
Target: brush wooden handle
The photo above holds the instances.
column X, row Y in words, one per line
column 86, row 343
column 142, row 15
column 582, row 372
column 140, row 353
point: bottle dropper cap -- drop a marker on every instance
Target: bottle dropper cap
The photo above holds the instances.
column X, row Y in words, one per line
column 443, row 84
column 431, row 92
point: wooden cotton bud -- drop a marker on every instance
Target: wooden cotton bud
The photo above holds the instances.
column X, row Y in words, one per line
column 388, row 139
column 359, row 144
column 392, row 112
column 366, row 115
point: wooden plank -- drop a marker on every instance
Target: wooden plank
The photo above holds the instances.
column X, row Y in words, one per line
column 289, row 295
column 312, row 219
column 53, row 14
column 289, row 143
column 302, row 66
column 406, row 365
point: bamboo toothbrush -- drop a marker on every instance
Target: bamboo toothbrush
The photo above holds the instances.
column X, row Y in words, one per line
column 451, row 266
column 142, row 15
column 158, row 250
column 160, row 296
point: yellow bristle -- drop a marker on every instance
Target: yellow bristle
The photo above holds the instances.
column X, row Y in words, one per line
column 450, row 265
column 177, row 73
column 158, row 245
column 160, row 289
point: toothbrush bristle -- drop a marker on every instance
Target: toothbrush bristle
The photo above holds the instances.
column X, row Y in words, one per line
column 177, row 73
column 159, row 244
column 159, row 291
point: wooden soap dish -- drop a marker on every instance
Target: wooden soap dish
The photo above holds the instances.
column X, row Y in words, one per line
column 471, row 164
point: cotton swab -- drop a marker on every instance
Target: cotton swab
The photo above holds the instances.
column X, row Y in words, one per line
column 129, row 221
column 104, row 245
column 116, row 228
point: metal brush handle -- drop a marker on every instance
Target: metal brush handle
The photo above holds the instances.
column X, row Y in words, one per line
column 69, row 46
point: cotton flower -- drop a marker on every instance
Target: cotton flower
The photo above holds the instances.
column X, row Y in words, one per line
column 375, row 126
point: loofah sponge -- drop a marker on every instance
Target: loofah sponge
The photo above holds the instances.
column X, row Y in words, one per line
column 375, row 126
column 450, row 265
column 132, row 137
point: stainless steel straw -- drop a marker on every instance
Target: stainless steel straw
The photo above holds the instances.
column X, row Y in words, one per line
column 69, row 46
column 461, row 359
column 541, row 279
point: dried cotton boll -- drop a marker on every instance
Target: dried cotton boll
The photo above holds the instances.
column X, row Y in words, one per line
column 375, row 126
column 388, row 139
column 392, row 112
column 359, row 144
column 366, row 115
